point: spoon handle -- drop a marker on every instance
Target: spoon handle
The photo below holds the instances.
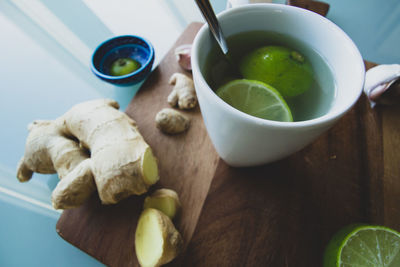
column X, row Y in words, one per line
column 209, row 16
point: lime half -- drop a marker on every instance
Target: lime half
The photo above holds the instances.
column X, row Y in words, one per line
column 285, row 69
column 363, row 245
column 255, row 98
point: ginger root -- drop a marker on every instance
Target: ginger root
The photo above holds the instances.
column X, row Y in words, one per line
column 164, row 200
column 48, row 151
column 120, row 164
column 157, row 241
column 183, row 94
column 171, row 121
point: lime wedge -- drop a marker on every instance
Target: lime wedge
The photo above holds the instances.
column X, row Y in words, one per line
column 363, row 245
column 255, row 98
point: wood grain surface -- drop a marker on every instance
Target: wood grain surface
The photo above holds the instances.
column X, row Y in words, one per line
column 284, row 213
column 321, row 8
column 279, row 214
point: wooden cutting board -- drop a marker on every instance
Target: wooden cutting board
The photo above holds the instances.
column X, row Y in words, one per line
column 280, row 214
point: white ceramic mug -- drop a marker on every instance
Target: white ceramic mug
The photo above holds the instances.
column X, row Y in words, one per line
column 236, row 3
column 244, row 140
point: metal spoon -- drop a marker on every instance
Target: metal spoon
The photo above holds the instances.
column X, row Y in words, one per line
column 212, row 21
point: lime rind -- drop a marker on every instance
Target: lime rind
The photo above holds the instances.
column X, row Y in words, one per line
column 285, row 69
column 256, row 98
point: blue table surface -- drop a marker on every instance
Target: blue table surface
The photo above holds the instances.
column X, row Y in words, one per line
column 40, row 79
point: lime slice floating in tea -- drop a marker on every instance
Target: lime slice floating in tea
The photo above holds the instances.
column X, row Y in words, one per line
column 255, row 98
column 285, row 69
column 363, row 245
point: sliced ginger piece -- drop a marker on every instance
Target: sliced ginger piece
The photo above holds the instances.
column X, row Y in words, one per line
column 157, row 242
column 165, row 200
column 149, row 167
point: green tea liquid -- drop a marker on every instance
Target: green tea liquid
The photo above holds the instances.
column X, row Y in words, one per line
column 314, row 103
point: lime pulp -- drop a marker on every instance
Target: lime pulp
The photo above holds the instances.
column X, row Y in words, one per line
column 255, row 98
column 363, row 245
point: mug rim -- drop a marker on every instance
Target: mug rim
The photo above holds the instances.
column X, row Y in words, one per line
column 324, row 119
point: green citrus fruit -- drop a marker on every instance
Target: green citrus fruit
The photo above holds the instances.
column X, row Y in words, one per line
column 283, row 68
column 363, row 245
column 123, row 66
column 255, row 98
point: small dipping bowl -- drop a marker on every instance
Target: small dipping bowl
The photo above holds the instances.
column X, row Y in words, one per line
column 125, row 46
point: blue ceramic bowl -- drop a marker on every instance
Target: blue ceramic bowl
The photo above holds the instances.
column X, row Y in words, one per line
column 126, row 46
